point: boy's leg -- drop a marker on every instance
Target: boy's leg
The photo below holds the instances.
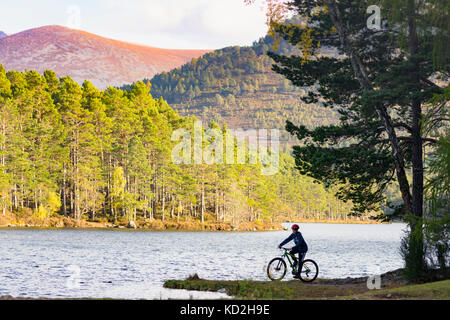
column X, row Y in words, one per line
column 301, row 256
column 292, row 253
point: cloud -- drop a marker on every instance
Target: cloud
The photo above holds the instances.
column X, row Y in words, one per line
column 205, row 24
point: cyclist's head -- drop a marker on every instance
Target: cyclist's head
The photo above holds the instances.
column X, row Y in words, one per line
column 295, row 227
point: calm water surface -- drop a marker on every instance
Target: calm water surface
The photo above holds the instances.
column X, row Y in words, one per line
column 134, row 264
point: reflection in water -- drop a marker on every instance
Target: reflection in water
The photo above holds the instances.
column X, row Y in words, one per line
column 133, row 265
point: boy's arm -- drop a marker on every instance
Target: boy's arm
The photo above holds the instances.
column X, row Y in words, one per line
column 286, row 240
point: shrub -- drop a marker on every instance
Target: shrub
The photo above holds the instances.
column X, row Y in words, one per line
column 437, row 239
column 426, row 247
column 412, row 250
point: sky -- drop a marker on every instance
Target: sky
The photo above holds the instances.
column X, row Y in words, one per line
column 174, row 24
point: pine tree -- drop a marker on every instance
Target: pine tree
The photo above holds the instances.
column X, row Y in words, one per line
column 347, row 83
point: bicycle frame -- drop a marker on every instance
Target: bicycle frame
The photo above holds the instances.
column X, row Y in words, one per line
column 290, row 259
column 304, row 266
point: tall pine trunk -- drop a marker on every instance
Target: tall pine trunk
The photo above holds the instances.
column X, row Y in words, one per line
column 361, row 74
column 416, row 241
column 203, row 202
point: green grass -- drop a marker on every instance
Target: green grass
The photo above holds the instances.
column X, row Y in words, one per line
column 248, row 289
column 294, row 289
column 439, row 290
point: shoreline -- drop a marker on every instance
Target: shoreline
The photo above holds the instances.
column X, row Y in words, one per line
column 157, row 225
column 392, row 287
column 58, row 222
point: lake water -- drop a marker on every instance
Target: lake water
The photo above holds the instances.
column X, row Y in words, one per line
column 134, row 264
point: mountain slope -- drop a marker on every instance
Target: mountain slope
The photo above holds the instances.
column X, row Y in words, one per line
column 3, row 35
column 83, row 55
column 236, row 86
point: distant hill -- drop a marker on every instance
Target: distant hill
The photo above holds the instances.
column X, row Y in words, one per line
column 83, row 55
column 236, row 86
column 3, row 35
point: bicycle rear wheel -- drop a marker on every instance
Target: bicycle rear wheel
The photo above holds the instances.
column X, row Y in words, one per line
column 276, row 270
column 309, row 271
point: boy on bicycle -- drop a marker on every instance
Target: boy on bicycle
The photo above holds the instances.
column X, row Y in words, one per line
column 300, row 246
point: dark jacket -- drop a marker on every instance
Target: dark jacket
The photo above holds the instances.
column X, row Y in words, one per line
column 300, row 243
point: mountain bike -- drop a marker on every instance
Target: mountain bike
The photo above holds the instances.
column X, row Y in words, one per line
column 277, row 268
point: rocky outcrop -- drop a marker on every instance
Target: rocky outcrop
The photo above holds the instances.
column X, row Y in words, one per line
column 131, row 225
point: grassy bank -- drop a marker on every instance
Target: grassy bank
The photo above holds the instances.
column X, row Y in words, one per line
column 340, row 221
column 393, row 287
column 27, row 219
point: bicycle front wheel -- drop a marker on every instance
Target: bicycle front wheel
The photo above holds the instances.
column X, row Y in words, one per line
column 309, row 271
column 276, row 270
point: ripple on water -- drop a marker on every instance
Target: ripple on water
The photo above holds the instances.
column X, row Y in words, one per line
column 132, row 265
